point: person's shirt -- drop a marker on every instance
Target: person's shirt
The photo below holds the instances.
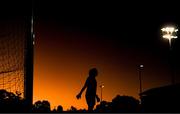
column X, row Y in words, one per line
column 91, row 86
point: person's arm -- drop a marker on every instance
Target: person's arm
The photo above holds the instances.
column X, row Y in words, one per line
column 84, row 87
column 98, row 99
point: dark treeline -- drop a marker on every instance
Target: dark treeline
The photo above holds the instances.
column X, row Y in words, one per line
column 118, row 104
column 10, row 102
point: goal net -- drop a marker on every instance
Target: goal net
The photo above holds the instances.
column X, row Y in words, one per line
column 13, row 35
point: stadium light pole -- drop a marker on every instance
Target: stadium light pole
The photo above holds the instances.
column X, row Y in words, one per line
column 169, row 33
column 101, row 86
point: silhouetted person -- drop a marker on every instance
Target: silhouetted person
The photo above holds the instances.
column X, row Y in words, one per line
column 91, row 86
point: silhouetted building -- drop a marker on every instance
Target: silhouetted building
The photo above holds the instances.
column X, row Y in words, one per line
column 161, row 99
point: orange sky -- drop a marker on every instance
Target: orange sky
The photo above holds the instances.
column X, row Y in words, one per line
column 62, row 64
column 64, row 53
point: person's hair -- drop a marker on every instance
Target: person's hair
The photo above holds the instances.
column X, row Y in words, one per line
column 93, row 72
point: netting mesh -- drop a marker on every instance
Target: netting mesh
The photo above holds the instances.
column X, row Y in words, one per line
column 12, row 54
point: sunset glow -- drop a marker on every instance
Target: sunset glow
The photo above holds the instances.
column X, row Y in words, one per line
column 62, row 61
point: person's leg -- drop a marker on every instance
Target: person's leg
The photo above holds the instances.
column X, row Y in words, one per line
column 90, row 102
column 90, row 108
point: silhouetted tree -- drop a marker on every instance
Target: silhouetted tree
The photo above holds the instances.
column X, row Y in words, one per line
column 125, row 104
column 104, row 106
column 54, row 110
column 59, row 108
column 41, row 106
column 72, row 109
column 10, row 102
column 82, row 110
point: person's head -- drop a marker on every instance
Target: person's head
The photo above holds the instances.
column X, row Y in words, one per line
column 93, row 72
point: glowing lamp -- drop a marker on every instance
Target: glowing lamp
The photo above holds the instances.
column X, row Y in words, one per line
column 169, row 33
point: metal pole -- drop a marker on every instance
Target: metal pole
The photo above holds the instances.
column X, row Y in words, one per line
column 168, row 34
column 140, row 78
column 140, row 85
column 140, row 82
column 29, row 58
column 101, row 86
column 171, row 62
column 101, row 94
